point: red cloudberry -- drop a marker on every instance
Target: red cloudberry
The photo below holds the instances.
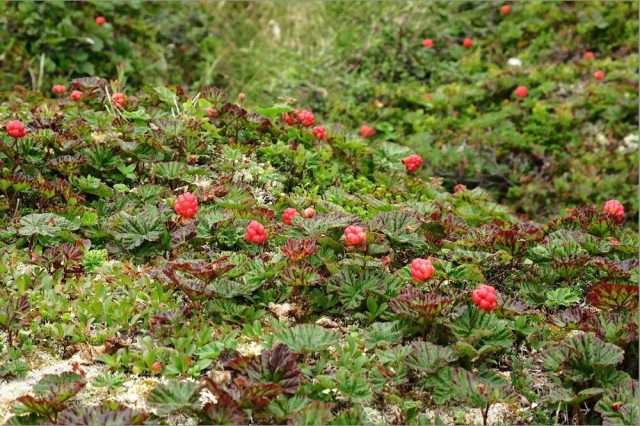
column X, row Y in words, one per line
column 75, row 95
column 288, row 119
column 58, row 89
column 367, row 131
column 598, row 75
column 459, row 187
column 16, row 129
column 289, row 214
column 614, row 208
column 354, row 235
column 588, row 56
column 306, row 117
column 521, row 91
column 428, row 43
column 101, row 20
column 320, row 132
column 412, row 163
column 505, row 9
column 186, row 205
column 211, row 112
column 241, row 96
column 119, row 99
column 255, row 233
column 485, row 297
column 467, row 43
column 421, row 269
column 309, row 212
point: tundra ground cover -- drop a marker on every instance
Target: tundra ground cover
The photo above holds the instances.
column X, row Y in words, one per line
column 440, row 228
column 384, row 299
column 572, row 140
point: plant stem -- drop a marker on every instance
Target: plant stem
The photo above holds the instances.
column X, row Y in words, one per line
column 485, row 414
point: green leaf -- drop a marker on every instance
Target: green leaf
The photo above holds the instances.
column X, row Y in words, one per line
column 307, row 338
column 174, row 396
column 275, row 110
column 44, row 224
column 430, row 358
column 134, row 230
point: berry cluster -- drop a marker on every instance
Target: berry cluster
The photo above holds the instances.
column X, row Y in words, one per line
column 521, row 92
column 367, row 131
column 459, row 187
column 186, row 205
column 319, row 132
column 485, row 297
column 119, row 99
column 255, row 233
column 306, row 117
column 412, row 163
column 16, row 129
column 289, row 214
column 75, row 95
column 615, row 209
column 354, row 235
column 421, row 269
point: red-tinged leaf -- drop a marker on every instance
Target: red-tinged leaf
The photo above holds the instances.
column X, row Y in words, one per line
column 417, row 305
column 88, row 83
column 297, row 250
column 606, row 295
column 101, row 415
column 204, row 270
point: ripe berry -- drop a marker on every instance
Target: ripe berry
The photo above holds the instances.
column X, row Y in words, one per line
column 309, row 212
column 58, row 89
column 598, row 75
column 119, row 99
column 255, row 233
column 320, row 132
column 76, row 95
column 521, row 91
column 614, row 208
column 354, row 235
column 412, row 163
column 459, row 187
column 428, row 43
column 306, row 117
column 367, row 131
column 485, row 297
column 289, row 214
column 156, row 367
column 505, row 9
column 241, row 96
column 421, row 269
column 16, row 129
column 211, row 112
column 467, row 43
column 186, row 205
column 101, row 20
column 588, row 56
column 288, row 119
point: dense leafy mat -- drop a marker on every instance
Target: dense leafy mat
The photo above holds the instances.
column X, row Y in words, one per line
column 571, row 141
column 308, row 325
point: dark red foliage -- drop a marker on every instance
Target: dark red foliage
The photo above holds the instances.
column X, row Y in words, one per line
column 611, row 296
column 297, row 250
column 419, row 306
